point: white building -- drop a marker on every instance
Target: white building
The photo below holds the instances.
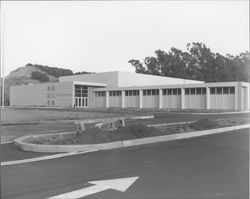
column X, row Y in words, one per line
column 131, row 90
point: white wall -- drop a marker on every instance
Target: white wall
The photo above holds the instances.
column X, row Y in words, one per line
column 222, row 101
column 115, row 101
column 171, row 101
column 100, row 102
column 39, row 95
column 151, row 101
column 195, row 101
column 132, row 101
column 109, row 78
column 126, row 79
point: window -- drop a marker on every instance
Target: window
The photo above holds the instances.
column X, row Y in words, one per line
column 179, row 91
column 126, row 93
column 198, row 91
column 187, row 91
column 48, row 102
column 81, row 91
column 115, row 93
column 174, row 91
column 169, row 91
column 204, row 90
column 144, row 92
column 164, row 91
column 153, row 92
column 232, row 90
column 192, row 91
column 212, row 91
column 225, row 90
column 130, row 93
column 219, row 90
column 149, row 92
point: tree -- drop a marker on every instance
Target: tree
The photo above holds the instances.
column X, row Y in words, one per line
column 198, row 63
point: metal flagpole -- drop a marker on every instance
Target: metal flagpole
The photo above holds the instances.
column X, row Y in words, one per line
column 2, row 58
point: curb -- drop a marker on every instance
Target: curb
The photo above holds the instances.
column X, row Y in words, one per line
column 77, row 119
column 118, row 144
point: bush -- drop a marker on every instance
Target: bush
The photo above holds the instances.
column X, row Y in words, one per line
column 39, row 76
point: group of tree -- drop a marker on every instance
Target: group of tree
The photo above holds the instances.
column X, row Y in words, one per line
column 197, row 63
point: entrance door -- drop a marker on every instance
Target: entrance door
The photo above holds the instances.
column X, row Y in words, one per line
column 81, row 102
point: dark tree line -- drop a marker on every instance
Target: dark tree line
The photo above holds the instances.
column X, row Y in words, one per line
column 197, row 63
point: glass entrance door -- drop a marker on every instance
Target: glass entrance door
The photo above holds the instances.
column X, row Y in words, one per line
column 81, row 96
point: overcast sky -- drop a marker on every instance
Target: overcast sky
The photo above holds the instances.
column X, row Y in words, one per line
column 104, row 35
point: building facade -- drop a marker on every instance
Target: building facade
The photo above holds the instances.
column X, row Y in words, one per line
column 129, row 90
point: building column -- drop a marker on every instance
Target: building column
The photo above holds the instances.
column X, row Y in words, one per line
column 236, row 95
column 207, row 98
column 247, row 98
column 160, row 98
column 123, row 99
column 107, row 99
column 140, row 99
column 182, row 98
column 73, row 96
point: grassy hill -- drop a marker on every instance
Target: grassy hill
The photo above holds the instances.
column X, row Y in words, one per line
column 33, row 73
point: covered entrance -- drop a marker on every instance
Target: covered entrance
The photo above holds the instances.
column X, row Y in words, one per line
column 81, row 96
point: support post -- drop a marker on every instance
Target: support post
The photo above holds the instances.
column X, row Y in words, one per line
column 107, row 99
column 207, row 98
column 182, row 98
column 160, row 98
column 140, row 99
column 123, row 99
column 236, row 95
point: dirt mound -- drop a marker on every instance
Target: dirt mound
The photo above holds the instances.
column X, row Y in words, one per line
column 211, row 124
column 96, row 135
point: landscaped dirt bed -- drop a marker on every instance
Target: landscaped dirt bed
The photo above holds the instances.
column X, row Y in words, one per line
column 133, row 131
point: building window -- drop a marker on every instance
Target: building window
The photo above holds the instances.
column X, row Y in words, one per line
column 81, row 91
column 48, row 102
column 232, row 90
column 219, row 90
column 192, row 91
column 212, row 90
column 187, row 91
column 198, row 91
column 144, row 92
column 115, row 93
column 204, row 90
column 225, row 90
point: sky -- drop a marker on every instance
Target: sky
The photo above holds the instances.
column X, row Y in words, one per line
column 98, row 36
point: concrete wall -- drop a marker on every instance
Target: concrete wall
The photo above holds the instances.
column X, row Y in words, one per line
column 195, row 101
column 48, row 94
column 171, row 101
column 222, row 101
column 120, row 79
column 150, row 101
column 100, row 102
column 136, row 79
column 132, row 101
column 115, row 101
column 110, row 78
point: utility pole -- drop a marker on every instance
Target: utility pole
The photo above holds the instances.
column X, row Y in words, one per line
column 2, row 54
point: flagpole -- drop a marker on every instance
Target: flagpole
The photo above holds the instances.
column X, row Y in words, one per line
column 2, row 58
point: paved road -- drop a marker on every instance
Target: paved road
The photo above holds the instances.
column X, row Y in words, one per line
column 208, row 167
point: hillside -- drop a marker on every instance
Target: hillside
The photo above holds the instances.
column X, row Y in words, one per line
column 33, row 73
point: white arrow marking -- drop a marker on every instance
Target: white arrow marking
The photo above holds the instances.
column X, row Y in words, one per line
column 120, row 184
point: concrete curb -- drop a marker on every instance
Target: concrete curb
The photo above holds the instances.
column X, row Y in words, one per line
column 74, row 120
column 119, row 144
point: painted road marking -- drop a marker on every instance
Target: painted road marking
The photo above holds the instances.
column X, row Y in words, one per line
column 45, row 157
column 120, row 184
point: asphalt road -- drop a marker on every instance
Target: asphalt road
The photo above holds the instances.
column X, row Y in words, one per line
column 209, row 167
